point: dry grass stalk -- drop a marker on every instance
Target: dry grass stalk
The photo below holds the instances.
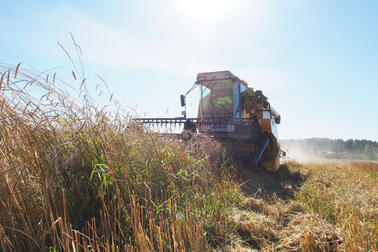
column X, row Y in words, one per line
column 73, row 178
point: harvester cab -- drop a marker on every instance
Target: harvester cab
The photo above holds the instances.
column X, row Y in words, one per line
column 233, row 113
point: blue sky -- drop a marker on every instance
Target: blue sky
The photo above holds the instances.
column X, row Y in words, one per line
column 317, row 61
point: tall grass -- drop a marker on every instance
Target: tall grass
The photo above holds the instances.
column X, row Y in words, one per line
column 75, row 178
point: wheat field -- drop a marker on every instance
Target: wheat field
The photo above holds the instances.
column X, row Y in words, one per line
column 76, row 177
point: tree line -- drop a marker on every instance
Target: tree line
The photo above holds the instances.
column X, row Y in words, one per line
column 336, row 148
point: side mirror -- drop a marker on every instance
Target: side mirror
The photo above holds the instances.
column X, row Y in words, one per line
column 182, row 99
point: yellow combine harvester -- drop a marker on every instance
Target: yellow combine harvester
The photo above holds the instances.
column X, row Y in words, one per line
column 238, row 116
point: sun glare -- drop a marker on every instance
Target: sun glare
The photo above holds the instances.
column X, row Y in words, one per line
column 206, row 11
